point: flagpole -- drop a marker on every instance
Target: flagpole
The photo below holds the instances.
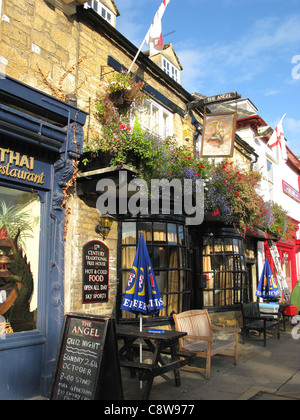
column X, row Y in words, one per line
column 138, row 53
column 158, row 16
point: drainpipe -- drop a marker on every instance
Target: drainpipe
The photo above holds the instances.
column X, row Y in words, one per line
column 254, row 161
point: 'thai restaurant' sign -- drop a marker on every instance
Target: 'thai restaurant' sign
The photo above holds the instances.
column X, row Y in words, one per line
column 20, row 167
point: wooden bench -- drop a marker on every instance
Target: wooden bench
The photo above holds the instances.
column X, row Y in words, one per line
column 148, row 371
column 253, row 321
column 200, row 338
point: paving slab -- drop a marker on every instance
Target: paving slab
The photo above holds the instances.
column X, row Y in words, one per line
column 261, row 374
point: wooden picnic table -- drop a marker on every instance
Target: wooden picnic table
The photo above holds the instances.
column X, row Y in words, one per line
column 158, row 345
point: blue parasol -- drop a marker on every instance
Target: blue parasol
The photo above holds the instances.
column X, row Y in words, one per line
column 267, row 288
column 142, row 295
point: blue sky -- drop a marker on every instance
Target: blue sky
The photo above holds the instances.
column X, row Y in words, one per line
column 246, row 46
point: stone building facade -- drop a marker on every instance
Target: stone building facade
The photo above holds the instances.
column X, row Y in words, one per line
column 63, row 51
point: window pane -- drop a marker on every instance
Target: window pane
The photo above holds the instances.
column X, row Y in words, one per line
column 155, row 119
column 128, row 254
column 166, row 125
column 224, row 260
column 159, row 259
column 172, row 234
column 159, row 232
column 168, row 260
column 19, row 210
column 161, row 279
column 182, row 257
column 173, row 262
column 129, row 233
column 181, row 236
column 146, row 230
column 184, row 282
column 208, row 299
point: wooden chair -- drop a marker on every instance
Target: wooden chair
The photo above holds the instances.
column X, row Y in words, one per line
column 200, row 339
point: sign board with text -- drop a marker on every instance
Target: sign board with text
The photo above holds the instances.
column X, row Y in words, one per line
column 87, row 364
column 290, row 191
column 95, row 272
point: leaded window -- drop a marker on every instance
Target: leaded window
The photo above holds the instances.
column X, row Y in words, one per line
column 225, row 267
column 167, row 247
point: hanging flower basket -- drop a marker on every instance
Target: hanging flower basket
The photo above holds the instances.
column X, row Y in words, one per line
column 121, row 99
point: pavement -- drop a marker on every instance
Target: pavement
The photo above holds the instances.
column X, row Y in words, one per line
column 262, row 373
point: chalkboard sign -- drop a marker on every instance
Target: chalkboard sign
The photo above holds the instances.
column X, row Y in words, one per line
column 95, row 272
column 87, row 365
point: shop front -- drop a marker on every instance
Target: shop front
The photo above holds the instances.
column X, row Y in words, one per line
column 288, row 251
column 40, row 140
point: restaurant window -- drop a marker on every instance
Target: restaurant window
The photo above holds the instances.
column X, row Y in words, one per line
column 225, row 268
column 167, row 247
column 19, row 267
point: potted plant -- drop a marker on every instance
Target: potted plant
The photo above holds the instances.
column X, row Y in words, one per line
column 13, row 219
column 117, row 96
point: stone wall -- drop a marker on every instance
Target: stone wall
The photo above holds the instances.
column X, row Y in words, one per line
column 36, row 35
column 83, row 219
column 58, row 54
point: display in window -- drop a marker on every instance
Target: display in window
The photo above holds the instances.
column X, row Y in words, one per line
column 18, row 227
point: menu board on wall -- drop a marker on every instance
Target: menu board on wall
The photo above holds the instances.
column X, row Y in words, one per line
column 95, row 272
column 87, row 365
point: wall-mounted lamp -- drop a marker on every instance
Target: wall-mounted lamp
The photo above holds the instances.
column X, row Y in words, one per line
column 105, row 224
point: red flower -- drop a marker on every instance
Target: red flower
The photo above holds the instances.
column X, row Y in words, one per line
column 216, row 212
column 237, row 194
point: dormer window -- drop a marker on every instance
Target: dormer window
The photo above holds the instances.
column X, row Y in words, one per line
column 170, row 69
column 101, row 10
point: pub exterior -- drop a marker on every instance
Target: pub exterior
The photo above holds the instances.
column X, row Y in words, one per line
column 40, row 138
column 79, row 264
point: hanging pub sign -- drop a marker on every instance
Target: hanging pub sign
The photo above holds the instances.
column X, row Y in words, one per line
column 218, row 135
column 95, row 272
column 87, row 364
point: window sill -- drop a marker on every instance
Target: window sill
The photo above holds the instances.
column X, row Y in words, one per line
column 23, row 339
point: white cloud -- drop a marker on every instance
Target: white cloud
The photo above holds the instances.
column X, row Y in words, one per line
column 257, row 50
column 292, row 125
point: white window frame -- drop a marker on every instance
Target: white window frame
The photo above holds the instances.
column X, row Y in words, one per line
column 156, row 119
column 102, row 10
column 170, row 69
